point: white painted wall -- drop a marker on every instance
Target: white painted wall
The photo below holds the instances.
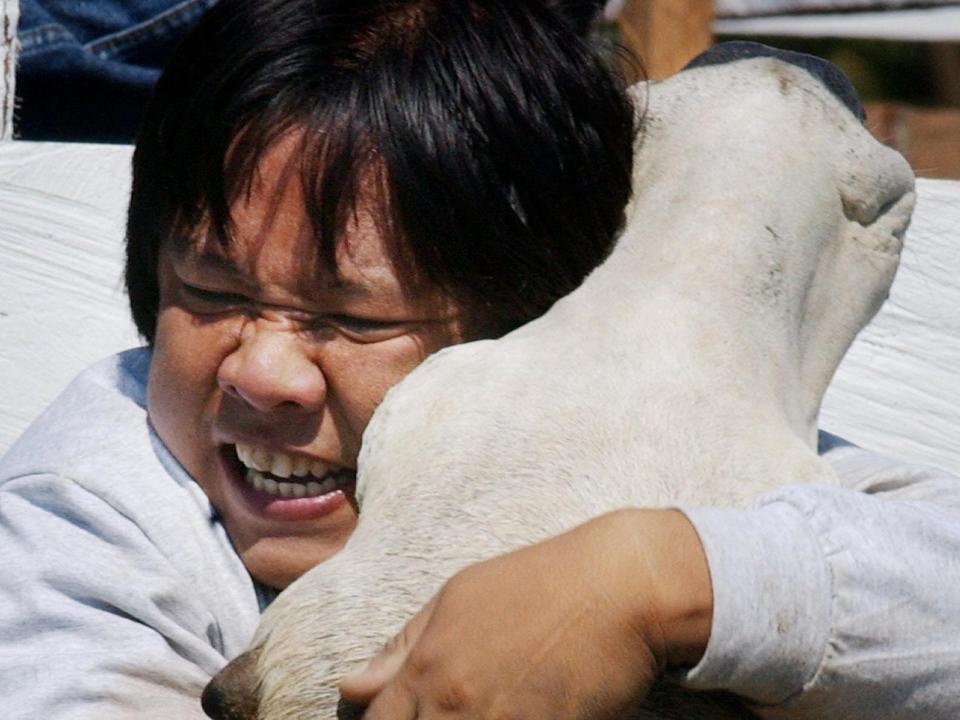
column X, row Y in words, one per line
column 729, row 8
column 62, row 305
column 913, row 24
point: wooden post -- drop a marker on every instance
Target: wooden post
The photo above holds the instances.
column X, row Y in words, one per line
column 666, row 34
column 8, row 60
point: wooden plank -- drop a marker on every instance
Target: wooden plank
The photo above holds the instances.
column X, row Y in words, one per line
column 928, row 137
column 945, row 67
column 666, row 34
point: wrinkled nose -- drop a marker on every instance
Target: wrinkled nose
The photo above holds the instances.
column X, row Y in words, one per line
column 232, row 693
column 270, row 370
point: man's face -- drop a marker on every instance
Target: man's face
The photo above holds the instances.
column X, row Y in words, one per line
column 267, row 367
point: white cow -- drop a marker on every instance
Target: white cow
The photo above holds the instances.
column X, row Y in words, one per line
column 764, row 232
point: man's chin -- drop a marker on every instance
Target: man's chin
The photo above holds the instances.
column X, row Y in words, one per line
column 276, row 561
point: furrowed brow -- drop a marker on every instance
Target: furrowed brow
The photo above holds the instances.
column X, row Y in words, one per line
column 211, row 260
column 350, row 288
column 202, row 254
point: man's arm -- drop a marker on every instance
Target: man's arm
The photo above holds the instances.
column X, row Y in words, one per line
column 826, row 602
column 577, row 626
column 839, row 602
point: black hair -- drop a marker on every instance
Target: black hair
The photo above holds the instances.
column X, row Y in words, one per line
column 500, row 141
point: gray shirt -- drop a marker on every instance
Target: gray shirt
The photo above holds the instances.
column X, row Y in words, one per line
column 839, row 602
column 122, row 594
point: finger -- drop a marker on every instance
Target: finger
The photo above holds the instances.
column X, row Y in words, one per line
column 394, row 702
column 362, row 685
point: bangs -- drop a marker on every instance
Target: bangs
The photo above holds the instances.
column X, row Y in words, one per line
column 339, row 169
column 344, row 101
column 491, row 146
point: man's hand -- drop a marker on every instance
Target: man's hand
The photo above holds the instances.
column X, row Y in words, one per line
column 574, row 628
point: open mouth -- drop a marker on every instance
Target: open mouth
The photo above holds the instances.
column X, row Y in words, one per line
column 291, row 476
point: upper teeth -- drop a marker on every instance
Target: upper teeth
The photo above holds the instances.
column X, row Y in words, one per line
column 280, row 464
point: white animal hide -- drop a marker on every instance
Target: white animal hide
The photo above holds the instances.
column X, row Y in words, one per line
column 689, row 368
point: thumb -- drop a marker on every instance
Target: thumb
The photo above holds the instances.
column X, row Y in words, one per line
column 362, row 685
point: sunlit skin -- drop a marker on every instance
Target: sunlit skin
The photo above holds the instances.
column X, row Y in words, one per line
column 259, row 343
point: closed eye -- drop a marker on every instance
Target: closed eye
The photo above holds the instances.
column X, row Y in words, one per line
column 366, row 329
column 205, row 300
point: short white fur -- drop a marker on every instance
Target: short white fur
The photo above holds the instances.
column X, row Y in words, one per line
column 764, row 233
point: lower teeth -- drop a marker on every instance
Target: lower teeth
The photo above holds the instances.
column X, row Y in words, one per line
column 295, row 489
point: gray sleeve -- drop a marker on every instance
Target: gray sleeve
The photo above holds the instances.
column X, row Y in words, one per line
column 839, row 602
column 94, row 621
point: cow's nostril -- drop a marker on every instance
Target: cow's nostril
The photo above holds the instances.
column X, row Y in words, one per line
column 213, row 700
column 349, row 711
column 232, row 693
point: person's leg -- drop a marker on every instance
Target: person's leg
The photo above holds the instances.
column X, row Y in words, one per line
column 87, row 69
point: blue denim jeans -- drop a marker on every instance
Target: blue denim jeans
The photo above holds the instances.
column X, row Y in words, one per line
column 87, row 67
